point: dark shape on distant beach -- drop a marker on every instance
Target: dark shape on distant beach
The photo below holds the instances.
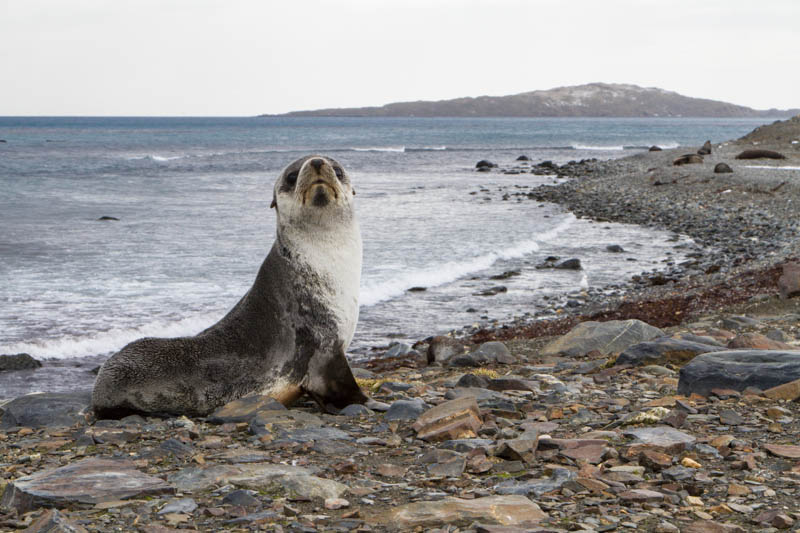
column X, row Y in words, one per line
column 485, row 163
column 615, row 248
column 570, row 264
column 688, row 159
column 706, row 149
column 523, row 158
column 654, row 148
column 2, row 140
column 738, row 370
column 722, row 168
column 107, row 218
column 760, row 154
column 492, row 291
column 286, row 336
column 417, row 289
column 20, row 361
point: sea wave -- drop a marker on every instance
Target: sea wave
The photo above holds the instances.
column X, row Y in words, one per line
column 443, row 273
column 107, row 342
column 379, row 149
column 155, row 157
column 774, row 167
column 593, row 147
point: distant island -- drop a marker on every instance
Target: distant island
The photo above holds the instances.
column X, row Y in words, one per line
column 590, row 100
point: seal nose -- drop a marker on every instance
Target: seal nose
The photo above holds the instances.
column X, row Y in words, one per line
column 317, row 163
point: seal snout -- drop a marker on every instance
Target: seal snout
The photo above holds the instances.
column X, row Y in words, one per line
column 318, row 182
column 316, row 163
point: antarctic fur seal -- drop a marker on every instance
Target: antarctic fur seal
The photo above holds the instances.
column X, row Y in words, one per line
column 286, row 336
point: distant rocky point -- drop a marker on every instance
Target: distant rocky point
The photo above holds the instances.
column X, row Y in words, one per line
column 590, row 100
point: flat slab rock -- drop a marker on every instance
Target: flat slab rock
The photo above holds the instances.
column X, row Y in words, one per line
column 294, row 479
column 512, row 510
column 664, row 350
column 609, row 337
column 244, row 409
column 54, row 409
column 739, row 369
column 87, row 481
column 664, row 436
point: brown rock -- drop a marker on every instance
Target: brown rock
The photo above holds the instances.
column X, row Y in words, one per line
column 738, row 490
column 654, row 460
column 52, row 521
column 707, row 526
column 513, row 510
column 756, row 341
column 455, row 419
column 390, row 470
column 789, row 282
column 788, row 391
column 783, row 450
column 641, row 496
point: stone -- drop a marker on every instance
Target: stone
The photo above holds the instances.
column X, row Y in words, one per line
column 788, row 451
column 391, row 470
column 268, row 422
column 760, row 154
column 53, row 521
column 20, row 361
column 756, row 341
column 729, row 417
column 662, row 351
column 466, row 445
column 655, row 461
column 336, row 503
column 261, row 517
column 654, row 148
column 641, row 496
column 789, row 282
column 722, row 168
column 313, row 434
column 511, row 510
column 296, row 480
column 485, row 163
column 688, row 159
column 181, row 505
column 442, row 348
column 708, row 526
column 486, row 353
column 614, row 336
column 523, row 158
column 664, row 436
column 452, row 468
column 788, row 391
column 705, row 149
column 738, row 370
column 454, row 419
column 615, row 249
column 517, row 449
column 241, row 497
column 54, row 409
column 405, row 410
column 86, row 481
column 356, row 410
column 244, row 409
column 537, row 487
column 569, row 264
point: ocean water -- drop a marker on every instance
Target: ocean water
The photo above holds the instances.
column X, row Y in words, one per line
column 192, row 197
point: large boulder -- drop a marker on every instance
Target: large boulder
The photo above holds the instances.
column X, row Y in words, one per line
column 53, row 409
column 739, row 369
column 610, row 337
column 722, row 168
column 664, row 350
column 760, row 154
column 19, row 361
column 485, row 163
column 87, row 481
column 443, row 348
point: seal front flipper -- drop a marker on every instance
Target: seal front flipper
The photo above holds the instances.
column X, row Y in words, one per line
column 330, row 381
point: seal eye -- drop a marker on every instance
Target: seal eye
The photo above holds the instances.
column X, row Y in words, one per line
column 339, row 172
column 291, row 178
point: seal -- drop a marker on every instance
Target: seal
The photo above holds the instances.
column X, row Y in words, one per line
column 286, row 336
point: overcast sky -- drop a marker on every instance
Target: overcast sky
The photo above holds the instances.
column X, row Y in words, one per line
column 229, row 57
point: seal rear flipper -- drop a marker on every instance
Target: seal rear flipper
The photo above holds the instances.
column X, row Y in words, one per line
column 330, row 381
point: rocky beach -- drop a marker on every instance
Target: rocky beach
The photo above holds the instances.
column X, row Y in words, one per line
column 665, row 406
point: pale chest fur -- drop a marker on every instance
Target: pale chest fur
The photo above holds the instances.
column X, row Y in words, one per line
column 334, row 256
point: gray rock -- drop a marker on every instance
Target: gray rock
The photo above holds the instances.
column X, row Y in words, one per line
column 664, row 350
column 722, row 168
column 356, row 410
column 471, row 380
column 613, row 336
column 363, row 373
column 739, row 322
column 55, row 409
column 241, row 497
column 20, row 361
column 53, row 521
column 443, row 348
column 466, row 445
column 294, row 479
column 615, row 249
column 537, row 487
column 739, row 369
column 406, row 410
column 182, row 505
column 570, row 264
column 664, row 436
column 285, row 419
column 313, row 434
column 86, row 481
column 396, row 350
column 257, row 518
column 486, row 353
column 453, row 468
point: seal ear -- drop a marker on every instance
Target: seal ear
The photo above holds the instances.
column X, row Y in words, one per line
column 330, row 381
column 273, row 204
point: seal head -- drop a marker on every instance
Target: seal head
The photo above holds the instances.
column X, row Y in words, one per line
column 286, row 336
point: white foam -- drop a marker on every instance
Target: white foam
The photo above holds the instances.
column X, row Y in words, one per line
column 380, row 149
column 110, row 341
column 442, row 273
column 155, row 157
column 592, row 147
column 771, row 167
